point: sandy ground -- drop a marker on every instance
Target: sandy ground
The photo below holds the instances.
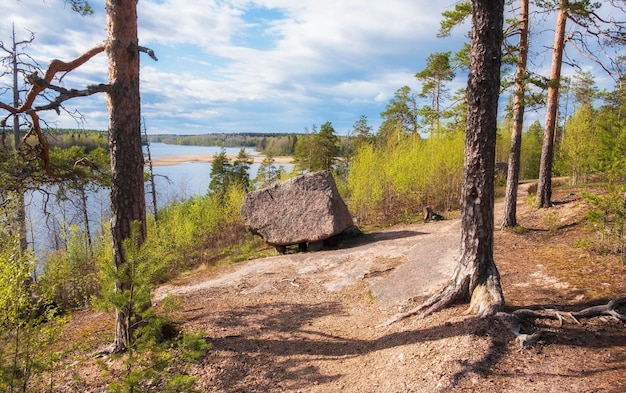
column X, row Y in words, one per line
column 206, row 158
column 308, row 322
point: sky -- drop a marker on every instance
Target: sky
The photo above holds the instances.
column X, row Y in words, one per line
column 247, row 65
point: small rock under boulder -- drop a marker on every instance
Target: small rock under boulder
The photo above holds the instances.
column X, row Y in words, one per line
column 305, row 210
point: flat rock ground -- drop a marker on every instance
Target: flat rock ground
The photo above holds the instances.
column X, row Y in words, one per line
column 306, row 322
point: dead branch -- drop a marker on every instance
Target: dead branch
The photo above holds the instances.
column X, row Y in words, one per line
column 148, row 51
column 39, row 84
column 8, row 108
column 64, row 94
column 55, row 67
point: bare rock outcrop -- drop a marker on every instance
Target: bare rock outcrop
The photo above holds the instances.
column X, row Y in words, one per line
column 304, row 210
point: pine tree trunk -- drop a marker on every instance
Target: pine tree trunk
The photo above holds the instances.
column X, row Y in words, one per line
column 544, row 188
column 477, row 218
column 127, row 189
column 476, row 278
column 512, row 179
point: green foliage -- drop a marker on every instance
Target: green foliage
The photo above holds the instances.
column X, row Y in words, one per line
column 220, row 173
column 87, row 139
column 71, row 277
column 15, row 172
column 241, row 166
column 28, row 325
column 409, row 174
column 531, row 152
column 612, row 147
column 584, row 87
column 438, row 71
column 608, row 219
column 160, row 356
column 579, row 146
column 159, row 365
column 281, row 145
column 225, row 175
column 318, row 150
column 192, row 231
column 127, row 287
column 81, row 6
column 503, row 142
column 268, row 172
column 276, row 144
column 361, row 131
column 451, row 19
column 400, row 115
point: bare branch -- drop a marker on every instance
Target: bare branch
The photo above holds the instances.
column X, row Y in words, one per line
column 55, row 67
column 39, row 85
column 149, row 51
column 65, row 94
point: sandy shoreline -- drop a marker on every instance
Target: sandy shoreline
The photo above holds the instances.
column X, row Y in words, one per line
column 207, row 158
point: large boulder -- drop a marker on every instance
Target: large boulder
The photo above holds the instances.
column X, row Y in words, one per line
column 305, row 209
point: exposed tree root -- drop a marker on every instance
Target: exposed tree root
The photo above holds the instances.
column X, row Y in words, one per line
column 514, row 319
column 450, row 294
column 480, row 287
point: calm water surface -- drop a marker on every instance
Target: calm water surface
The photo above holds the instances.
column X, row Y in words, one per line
column 173, row 183
column 181, row 181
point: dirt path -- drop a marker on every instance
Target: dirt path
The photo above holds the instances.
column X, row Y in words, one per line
column 306, row 322
column 389, row 262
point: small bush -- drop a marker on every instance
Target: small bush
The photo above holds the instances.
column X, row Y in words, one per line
column 608, row 219
column 70, row 277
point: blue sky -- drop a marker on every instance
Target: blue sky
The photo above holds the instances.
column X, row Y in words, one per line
column 247, row 66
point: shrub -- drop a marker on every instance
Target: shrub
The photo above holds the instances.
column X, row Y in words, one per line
column 393, row 182
column 70, row 276
column 608, row 219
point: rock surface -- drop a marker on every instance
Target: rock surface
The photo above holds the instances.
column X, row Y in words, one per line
column 305, row 209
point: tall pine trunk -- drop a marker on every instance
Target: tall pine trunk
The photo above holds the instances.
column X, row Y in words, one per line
column 544, row 188
column 512, row 179
column 476, row 265
column 127, row 188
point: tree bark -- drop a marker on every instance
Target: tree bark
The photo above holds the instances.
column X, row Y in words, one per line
column 476, row 278
column 476, row 265
column 512, row 179
column 127, row 189
column 544, row 187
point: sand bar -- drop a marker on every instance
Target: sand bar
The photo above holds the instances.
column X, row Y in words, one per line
column 207, row 158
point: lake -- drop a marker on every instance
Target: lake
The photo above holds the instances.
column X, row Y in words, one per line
column 181, row 181
column 173, row 183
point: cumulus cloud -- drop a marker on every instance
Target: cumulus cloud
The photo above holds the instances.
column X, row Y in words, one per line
column 250, row 64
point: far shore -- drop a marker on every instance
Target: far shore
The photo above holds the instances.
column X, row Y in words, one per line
column 208, row 158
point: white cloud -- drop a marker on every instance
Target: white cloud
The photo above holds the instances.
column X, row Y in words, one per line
column 261, row 64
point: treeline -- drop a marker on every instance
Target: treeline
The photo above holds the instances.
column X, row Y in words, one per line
column 276, row 144
column 89, row 139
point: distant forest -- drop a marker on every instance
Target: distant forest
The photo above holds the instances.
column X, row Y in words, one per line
column 276, row 144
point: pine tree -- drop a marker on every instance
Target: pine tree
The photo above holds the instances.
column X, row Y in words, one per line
column 240, row 170
column 326, row 148
column 220, row 173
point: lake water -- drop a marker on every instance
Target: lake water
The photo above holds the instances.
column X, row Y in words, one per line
column 176, row 182
column 173, row 183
